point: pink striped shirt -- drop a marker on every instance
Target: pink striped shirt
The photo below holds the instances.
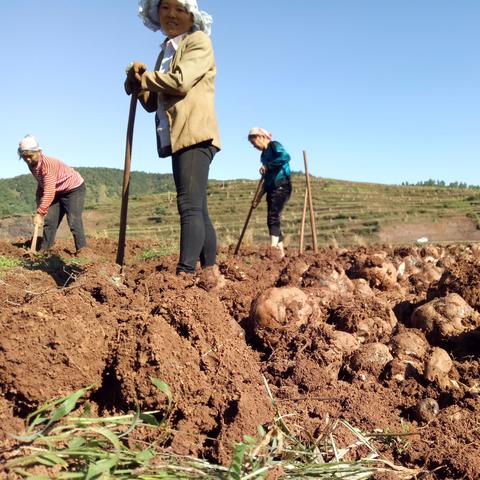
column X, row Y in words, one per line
column 53, row 176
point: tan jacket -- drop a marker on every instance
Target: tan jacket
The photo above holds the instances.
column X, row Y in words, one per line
column 187, row 91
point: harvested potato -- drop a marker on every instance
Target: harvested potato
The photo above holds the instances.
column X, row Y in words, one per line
column 344, row 342
column 431, row 273
column 432, row 252
column 401, row 369
column 370, row 358
column 332, row 347
column 438, row 365
column 329, row 282
column 362, row 288
column 377, row 270
column 445, row 317
column 409, row 349
column 278, row 310
column 292, row 274
column 330, row 277
column 368, row 318
column 409, row 345
column 409, row 265
column 446, row 262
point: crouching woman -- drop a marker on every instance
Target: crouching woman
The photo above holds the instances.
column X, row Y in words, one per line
column 60, row 192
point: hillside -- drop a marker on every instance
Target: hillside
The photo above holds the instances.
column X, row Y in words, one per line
column 346, row 212
column 104, row 184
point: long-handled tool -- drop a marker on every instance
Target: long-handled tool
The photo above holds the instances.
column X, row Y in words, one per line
column 256, row 200
column 304, row 216
column 310, row 204
column 126, row 179
column 33, row 245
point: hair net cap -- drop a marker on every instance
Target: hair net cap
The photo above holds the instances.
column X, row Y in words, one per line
column 28, row 144
column 260, row 131
column 148, row 12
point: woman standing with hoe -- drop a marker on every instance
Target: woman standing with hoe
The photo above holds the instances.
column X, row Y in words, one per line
column 275, row 170
column 181, row 91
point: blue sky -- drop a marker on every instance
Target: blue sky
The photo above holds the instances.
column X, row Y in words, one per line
column 374, row 90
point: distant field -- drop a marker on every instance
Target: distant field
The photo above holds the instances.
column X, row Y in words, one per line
column 346, row 213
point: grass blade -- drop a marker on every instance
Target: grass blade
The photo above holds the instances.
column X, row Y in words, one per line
column 102, row 467
column 164, row 388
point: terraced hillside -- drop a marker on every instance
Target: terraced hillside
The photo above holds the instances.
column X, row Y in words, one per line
column 346, row 213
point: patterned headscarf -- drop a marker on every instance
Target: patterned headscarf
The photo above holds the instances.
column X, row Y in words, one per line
column 148, row 12
column 260, row 131
column 28, row 144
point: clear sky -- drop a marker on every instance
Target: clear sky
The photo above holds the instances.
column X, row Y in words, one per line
column 374, row 90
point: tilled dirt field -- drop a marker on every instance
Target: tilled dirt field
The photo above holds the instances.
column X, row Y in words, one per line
column 362, row 334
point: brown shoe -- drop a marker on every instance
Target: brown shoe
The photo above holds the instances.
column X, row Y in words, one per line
column 210, row 279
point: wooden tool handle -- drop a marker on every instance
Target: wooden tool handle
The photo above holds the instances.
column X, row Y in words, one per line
column 33, row 245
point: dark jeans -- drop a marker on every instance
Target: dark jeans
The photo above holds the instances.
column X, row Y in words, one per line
column 276, row 200
column 198, row 239
column 70, row 203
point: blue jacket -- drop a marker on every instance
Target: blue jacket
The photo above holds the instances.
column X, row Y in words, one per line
column 276, row 159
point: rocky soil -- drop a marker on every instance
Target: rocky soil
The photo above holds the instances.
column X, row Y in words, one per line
column 386, row 338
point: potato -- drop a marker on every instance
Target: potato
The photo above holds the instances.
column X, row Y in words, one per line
column 380, row 272
column 446, row 262
column 370, row 358
column 432, row 252
column 362, row 288
column 368, row 318
column 438, row 365
column 431, row 273
column 344, row 342
column 408, row 266
column 409, row 345
column 330, row 277
column 401, row 369
column 278, row 310
column 445, row 317
column 292, row 274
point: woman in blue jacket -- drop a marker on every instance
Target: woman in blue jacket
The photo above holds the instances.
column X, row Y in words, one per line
column 277, row 185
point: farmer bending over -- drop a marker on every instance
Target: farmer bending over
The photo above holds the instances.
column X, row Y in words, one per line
column 60, row 191
column 275, row 170
column 181, row 91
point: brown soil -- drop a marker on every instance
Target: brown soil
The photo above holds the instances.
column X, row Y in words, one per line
column 333, row 342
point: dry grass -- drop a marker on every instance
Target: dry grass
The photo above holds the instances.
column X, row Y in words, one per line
column 71, row 446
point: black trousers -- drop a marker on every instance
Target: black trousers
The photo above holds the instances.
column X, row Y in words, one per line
column 70, row 203
column 198, row 240
column 277, row 197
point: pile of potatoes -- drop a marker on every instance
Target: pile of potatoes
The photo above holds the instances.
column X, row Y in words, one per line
column 354, row 301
